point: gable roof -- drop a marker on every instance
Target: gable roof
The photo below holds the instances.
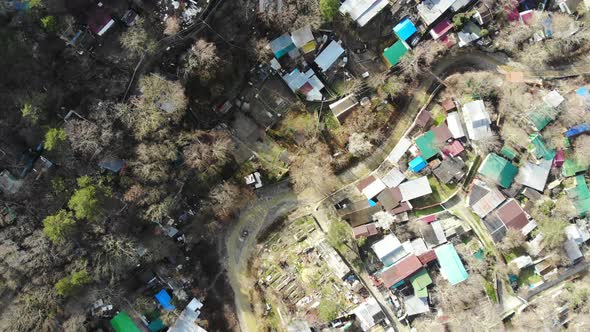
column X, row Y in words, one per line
column 498, row 169
column 580, row 195
column 424, row 118
column 484, row 200
column 455, row 125
column 390, row 198
column 393, row 178
column 400, row 271
column 123, row 323
column 534, row 176
column 451, row 266
column 508, row 152
column 512, row 215
column 442, row 133
column 395, row 52
column 362, row 11
column 343, row 105
column 477, row 120
column 431, row 10
column 453, row 149
column 427, row 257
column 427, row 145
column 541, row 117
column 399, row 150
column 371, row 186
column 577, row 130
column 164, row 299
column 441, row 29
column 572, row 250
column 365, row 230
column 329, row 55
column 389, row 250
column 450, row 169
column 539, row 149
column 282, row 45
column 417, row 164
column 302, row 36
column 420, row 281
column 415, row 188
column 572, row 167
column 404, row 29
column 553, row 99
column 362, row 216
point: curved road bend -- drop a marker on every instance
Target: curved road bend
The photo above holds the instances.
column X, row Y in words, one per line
column 278, row 200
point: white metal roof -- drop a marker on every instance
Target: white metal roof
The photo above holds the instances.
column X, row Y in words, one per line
column 477, row 120
column 366, row 313
column 393, row 178
column 431, row 10
column 384, row 247
column 522, row 261
column 302, row 36
column 374, row 188
column 399, row 150
column 534, row 176
column 329, row 55
column 362, row 11
column 455, row 126
column 415, row 188
column 341, row 106
column 439, row 232
column 553, row 99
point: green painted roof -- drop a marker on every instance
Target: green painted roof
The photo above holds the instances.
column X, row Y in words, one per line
column 123, row 323
column 508, row 152
column 580, row 195
column 541, row 118
column 450, row 264
column 539, row 149
column 571, row 167
column 420, row 282
column 427, row 145
column 498, row 170
column 395, row 52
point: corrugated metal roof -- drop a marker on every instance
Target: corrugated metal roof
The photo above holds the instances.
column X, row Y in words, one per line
column 451, row 266
column 329, row 55
column 415, row 188
column 399, row 150
column 400, row 271
column 477, row 120
column 404, row 29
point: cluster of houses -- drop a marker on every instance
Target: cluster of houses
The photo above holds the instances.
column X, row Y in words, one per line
column 304, row 62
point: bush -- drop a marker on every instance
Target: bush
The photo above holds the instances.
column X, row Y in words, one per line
column 54, row 138
column 328, row 9
column 49, row 23
column 328, row 311
column 71, row 284
column 59, row 226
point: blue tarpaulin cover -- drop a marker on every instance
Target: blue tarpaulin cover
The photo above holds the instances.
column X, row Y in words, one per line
column 164, row 298
column 417, row 164
column 577, row 130
column 583, row 91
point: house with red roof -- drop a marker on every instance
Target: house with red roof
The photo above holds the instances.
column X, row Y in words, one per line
column 401, row 270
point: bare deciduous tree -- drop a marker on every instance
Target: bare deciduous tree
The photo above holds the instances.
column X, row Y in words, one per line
column 209, row 151
column 137, row 41
column 311, row 169
column 202, row 60
column 172, row 26
column 358, row 145
column 227, row 198
column 513, row 239
column 489, row 144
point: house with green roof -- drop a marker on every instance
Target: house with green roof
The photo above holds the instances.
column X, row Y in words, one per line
column 572, row 167
column 538, row 148
column 427, row 145
column 394, row 53
column 451, row 266
column 123, row 323
column 540, row 118
column 420, row 281
column 499, row 170
column 580, row 195
column 508, row 152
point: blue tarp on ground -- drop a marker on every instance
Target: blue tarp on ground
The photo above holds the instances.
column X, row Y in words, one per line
column 405, row 29
column 164, row 298
column 577, row 130
column 417, row 164
column 583, row 91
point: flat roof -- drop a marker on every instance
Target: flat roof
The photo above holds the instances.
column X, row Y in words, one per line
column 415, row 188
column 455, row 125
column 399, row 150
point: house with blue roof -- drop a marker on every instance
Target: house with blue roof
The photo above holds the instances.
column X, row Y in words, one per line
column 417, row 164
column 577, row 130
column 282, row 45
column 404, row 29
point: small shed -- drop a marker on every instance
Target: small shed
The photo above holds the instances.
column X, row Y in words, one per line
column 577, row 130
column 303, row 39
column 441, row 29
column 342, row 106
column 417, row 164
column 282, row 45
column 165, row 300
column 553, row 99
column 424, row 119
column 123, row 323
column 573, row 252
